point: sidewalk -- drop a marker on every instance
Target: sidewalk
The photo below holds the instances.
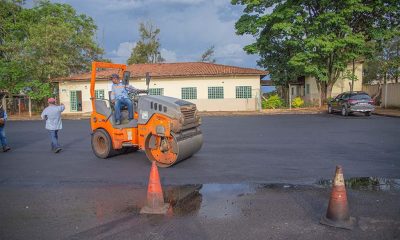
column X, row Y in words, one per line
column 267, row 112
column 26, row 117
column 314, row 110
column 389, row 112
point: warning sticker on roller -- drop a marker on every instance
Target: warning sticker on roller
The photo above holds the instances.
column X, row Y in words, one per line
column 145, row 115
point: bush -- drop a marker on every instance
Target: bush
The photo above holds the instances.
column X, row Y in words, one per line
column 274, row 101
column 297, row 102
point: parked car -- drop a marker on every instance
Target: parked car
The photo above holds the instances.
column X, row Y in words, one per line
column 349, row 102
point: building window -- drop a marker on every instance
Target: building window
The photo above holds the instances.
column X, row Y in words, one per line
column 73, row 101
column 243, row 92
column 99, row 94
column 156, row 91
column 189, row 93
column 75, row 98
column 307, row 88
column 215, row 92
column 292, row 89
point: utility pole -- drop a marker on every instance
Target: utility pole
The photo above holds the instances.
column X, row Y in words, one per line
column 352, row 78
column 30, row 106
column 386, row 89
column 290, row 97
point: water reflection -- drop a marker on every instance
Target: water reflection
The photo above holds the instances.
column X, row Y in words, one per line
column 367, row 183
column 185, row 200
column 219, row 200
column 207, row 200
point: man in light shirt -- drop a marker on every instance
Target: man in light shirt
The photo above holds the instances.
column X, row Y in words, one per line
column 52, row 115
column 119, row 96
column 3, row 139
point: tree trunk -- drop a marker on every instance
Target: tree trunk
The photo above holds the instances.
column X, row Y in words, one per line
column 323, row 92
column 329, row 90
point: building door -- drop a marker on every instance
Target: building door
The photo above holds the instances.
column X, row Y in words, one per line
column 76, row 101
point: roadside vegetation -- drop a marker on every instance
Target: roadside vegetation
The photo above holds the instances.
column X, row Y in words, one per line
column 320, row 38
column 41, row 43
column 274, row 101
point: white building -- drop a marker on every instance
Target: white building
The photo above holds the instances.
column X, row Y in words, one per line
column 212, row 87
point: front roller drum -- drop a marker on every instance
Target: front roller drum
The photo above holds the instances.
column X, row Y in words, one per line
column 167, row 151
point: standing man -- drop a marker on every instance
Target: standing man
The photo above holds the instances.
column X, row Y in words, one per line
column 52, row 115
column 119, row 96
column 3, row 139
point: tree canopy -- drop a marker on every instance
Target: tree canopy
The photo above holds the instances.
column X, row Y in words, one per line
column 207, row 56
column 38, row 44
column 315, row 38
column 147, row 49
column 385, row 63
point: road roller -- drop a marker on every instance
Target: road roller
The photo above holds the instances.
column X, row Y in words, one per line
column 167, row 129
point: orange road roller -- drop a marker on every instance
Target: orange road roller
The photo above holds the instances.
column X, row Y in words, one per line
column 166, row 128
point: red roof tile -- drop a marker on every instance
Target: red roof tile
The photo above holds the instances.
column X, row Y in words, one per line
column 169, row 70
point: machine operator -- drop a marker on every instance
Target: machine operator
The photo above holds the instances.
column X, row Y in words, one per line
column 119, row 96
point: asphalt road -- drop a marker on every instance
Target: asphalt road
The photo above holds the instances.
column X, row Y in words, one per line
column 254, row 179
column 262, row 149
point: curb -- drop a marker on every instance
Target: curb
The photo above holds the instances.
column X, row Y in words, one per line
column 386, row 115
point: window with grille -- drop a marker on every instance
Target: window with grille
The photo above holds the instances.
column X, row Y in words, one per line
column 215, row 92
column 189, row 93
column 99, row 94
column 307, row 88
column 243, row 92
column 156, row 91
column 74, row 101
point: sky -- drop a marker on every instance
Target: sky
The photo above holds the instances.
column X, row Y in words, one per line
column 188, row 28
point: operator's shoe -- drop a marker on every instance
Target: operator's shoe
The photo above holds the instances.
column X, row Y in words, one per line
column 6, row 148
column 117, row 122
column 57, row 150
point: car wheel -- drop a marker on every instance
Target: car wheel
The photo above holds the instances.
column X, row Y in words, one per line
column 344, row 111
column 367, row 114
column 330, row 109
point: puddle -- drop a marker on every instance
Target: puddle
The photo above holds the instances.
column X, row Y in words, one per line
column 207, row 200
column 218, row 201
column 367, row 183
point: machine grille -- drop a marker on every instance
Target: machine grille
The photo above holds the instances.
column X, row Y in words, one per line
column 188, row 112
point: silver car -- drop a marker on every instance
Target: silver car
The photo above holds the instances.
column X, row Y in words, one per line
column 349, row 102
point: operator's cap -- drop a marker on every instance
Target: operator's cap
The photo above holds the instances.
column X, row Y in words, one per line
column 114, row 75
column 51, row 100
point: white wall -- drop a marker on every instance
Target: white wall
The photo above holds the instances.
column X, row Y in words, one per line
column 391, row 94
column 341, row 85
column 172, row 88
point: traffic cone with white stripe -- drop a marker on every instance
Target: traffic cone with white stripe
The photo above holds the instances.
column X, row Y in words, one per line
column 338, row 209
column 155, row 199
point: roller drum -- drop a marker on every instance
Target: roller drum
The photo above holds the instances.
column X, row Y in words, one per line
column 180, row 147
column 189, row 146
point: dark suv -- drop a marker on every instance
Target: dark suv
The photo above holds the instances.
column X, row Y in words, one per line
column 349, row 102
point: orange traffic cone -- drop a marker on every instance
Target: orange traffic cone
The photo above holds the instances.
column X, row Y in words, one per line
column 338, row 209
column 155, row 199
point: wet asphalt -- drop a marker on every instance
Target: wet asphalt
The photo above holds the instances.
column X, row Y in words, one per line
column 256, row 177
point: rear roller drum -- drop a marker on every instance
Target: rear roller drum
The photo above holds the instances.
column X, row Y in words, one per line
column 166, row 151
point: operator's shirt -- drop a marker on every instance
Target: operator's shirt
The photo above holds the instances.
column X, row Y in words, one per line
column 53, row 113
column 120, row 91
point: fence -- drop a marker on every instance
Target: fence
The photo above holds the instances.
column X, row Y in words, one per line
column 385, row 95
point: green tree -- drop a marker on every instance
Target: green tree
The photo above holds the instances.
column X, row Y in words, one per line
column 207, row 56
column 147, row 49
column 384, row 64
column 43, row 43
column 13, row 30
column 315, row 38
